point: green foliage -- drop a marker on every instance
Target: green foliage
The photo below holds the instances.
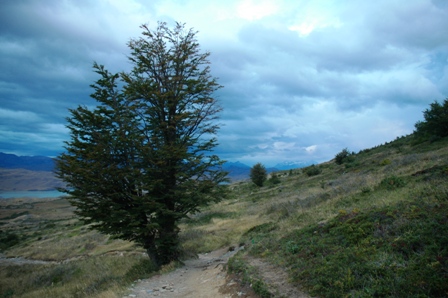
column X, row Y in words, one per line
column 392, row 182
column 141, row 159
column 258, row 174
column 274, row 179
column 385, row 162
column 344, row 157
column 8, row 239
column 312, row 170
column 248, row 276
column 142, row 269
column 435, row 124
column 382, row 252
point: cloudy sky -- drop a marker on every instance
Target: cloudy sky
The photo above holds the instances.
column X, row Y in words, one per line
column 302, row 79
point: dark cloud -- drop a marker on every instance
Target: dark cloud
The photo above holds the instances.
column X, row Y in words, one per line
column 302, row 79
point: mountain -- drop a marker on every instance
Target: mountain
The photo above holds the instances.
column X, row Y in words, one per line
column 237, row 170
column 32, row 163
column 288, row 165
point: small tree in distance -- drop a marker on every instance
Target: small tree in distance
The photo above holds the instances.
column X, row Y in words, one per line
column 436, row 121
column 344, row 156
column 258, row 174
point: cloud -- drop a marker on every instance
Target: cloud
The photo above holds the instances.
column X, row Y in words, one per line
column 302, row 79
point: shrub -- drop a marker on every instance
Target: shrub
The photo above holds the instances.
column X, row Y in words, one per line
column 7, row 240
column 392, row 182
column 274, row 179
column 385, row 162
column 258, row 174
column 344, row 156
column 312, row 170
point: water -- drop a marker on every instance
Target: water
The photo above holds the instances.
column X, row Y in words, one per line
column 39, row 194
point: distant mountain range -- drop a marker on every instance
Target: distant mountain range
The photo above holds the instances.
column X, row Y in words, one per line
column 289, row 165
column 237, row 170
column 32, row 163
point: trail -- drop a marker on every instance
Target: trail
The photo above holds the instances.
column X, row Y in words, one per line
column 204, row 277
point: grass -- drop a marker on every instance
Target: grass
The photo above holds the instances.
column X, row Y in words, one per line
column 80, row 262
column 376, row 226
column 373, row 226
column 89, row 277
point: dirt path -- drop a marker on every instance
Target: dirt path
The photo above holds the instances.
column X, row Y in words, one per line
column 206, row 277
column 200, row 278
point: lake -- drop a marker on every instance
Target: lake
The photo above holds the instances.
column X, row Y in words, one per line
column 40, row 194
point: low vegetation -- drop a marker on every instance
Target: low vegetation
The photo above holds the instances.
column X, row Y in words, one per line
column 375, row 228
column 375, row 225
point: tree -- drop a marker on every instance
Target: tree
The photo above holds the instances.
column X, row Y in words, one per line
column 141, row 160
column 436, row 121
column 258, row 174
column 344, row 156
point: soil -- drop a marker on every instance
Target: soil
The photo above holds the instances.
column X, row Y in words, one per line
column 203, row 277
column 206, row 277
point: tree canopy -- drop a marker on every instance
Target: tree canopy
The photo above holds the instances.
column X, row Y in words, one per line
column 258, row 174
column 436, row 120
column 142, row 159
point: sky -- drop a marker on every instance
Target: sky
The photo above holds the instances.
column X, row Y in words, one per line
column 302, row 79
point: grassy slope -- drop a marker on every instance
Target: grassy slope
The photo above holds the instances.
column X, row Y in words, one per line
column 374, row 227
column 377, row 226
column 81, row 263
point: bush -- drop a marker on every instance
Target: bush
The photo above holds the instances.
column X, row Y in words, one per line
column 385, row 162
column 274, row 179
column 258, row 174
column 312, row 170
column 344, row 156
column 392, row 182
column 8, row 240
column 436, row 121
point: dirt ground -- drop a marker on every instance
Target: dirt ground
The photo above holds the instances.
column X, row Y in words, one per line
column 203, row 277
column 206, row 277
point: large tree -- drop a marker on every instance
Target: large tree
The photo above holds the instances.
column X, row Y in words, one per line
column 142, row 159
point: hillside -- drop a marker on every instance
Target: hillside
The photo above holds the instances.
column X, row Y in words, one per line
column 375, row 225
column 21, row 179
column 18, row 173
column 36, row 172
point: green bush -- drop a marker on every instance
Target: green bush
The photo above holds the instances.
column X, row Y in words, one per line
column 274, row 179
column 385, row 162
column 344, row 156
column 7, row 240
column 392, row 182
column 312, row 170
